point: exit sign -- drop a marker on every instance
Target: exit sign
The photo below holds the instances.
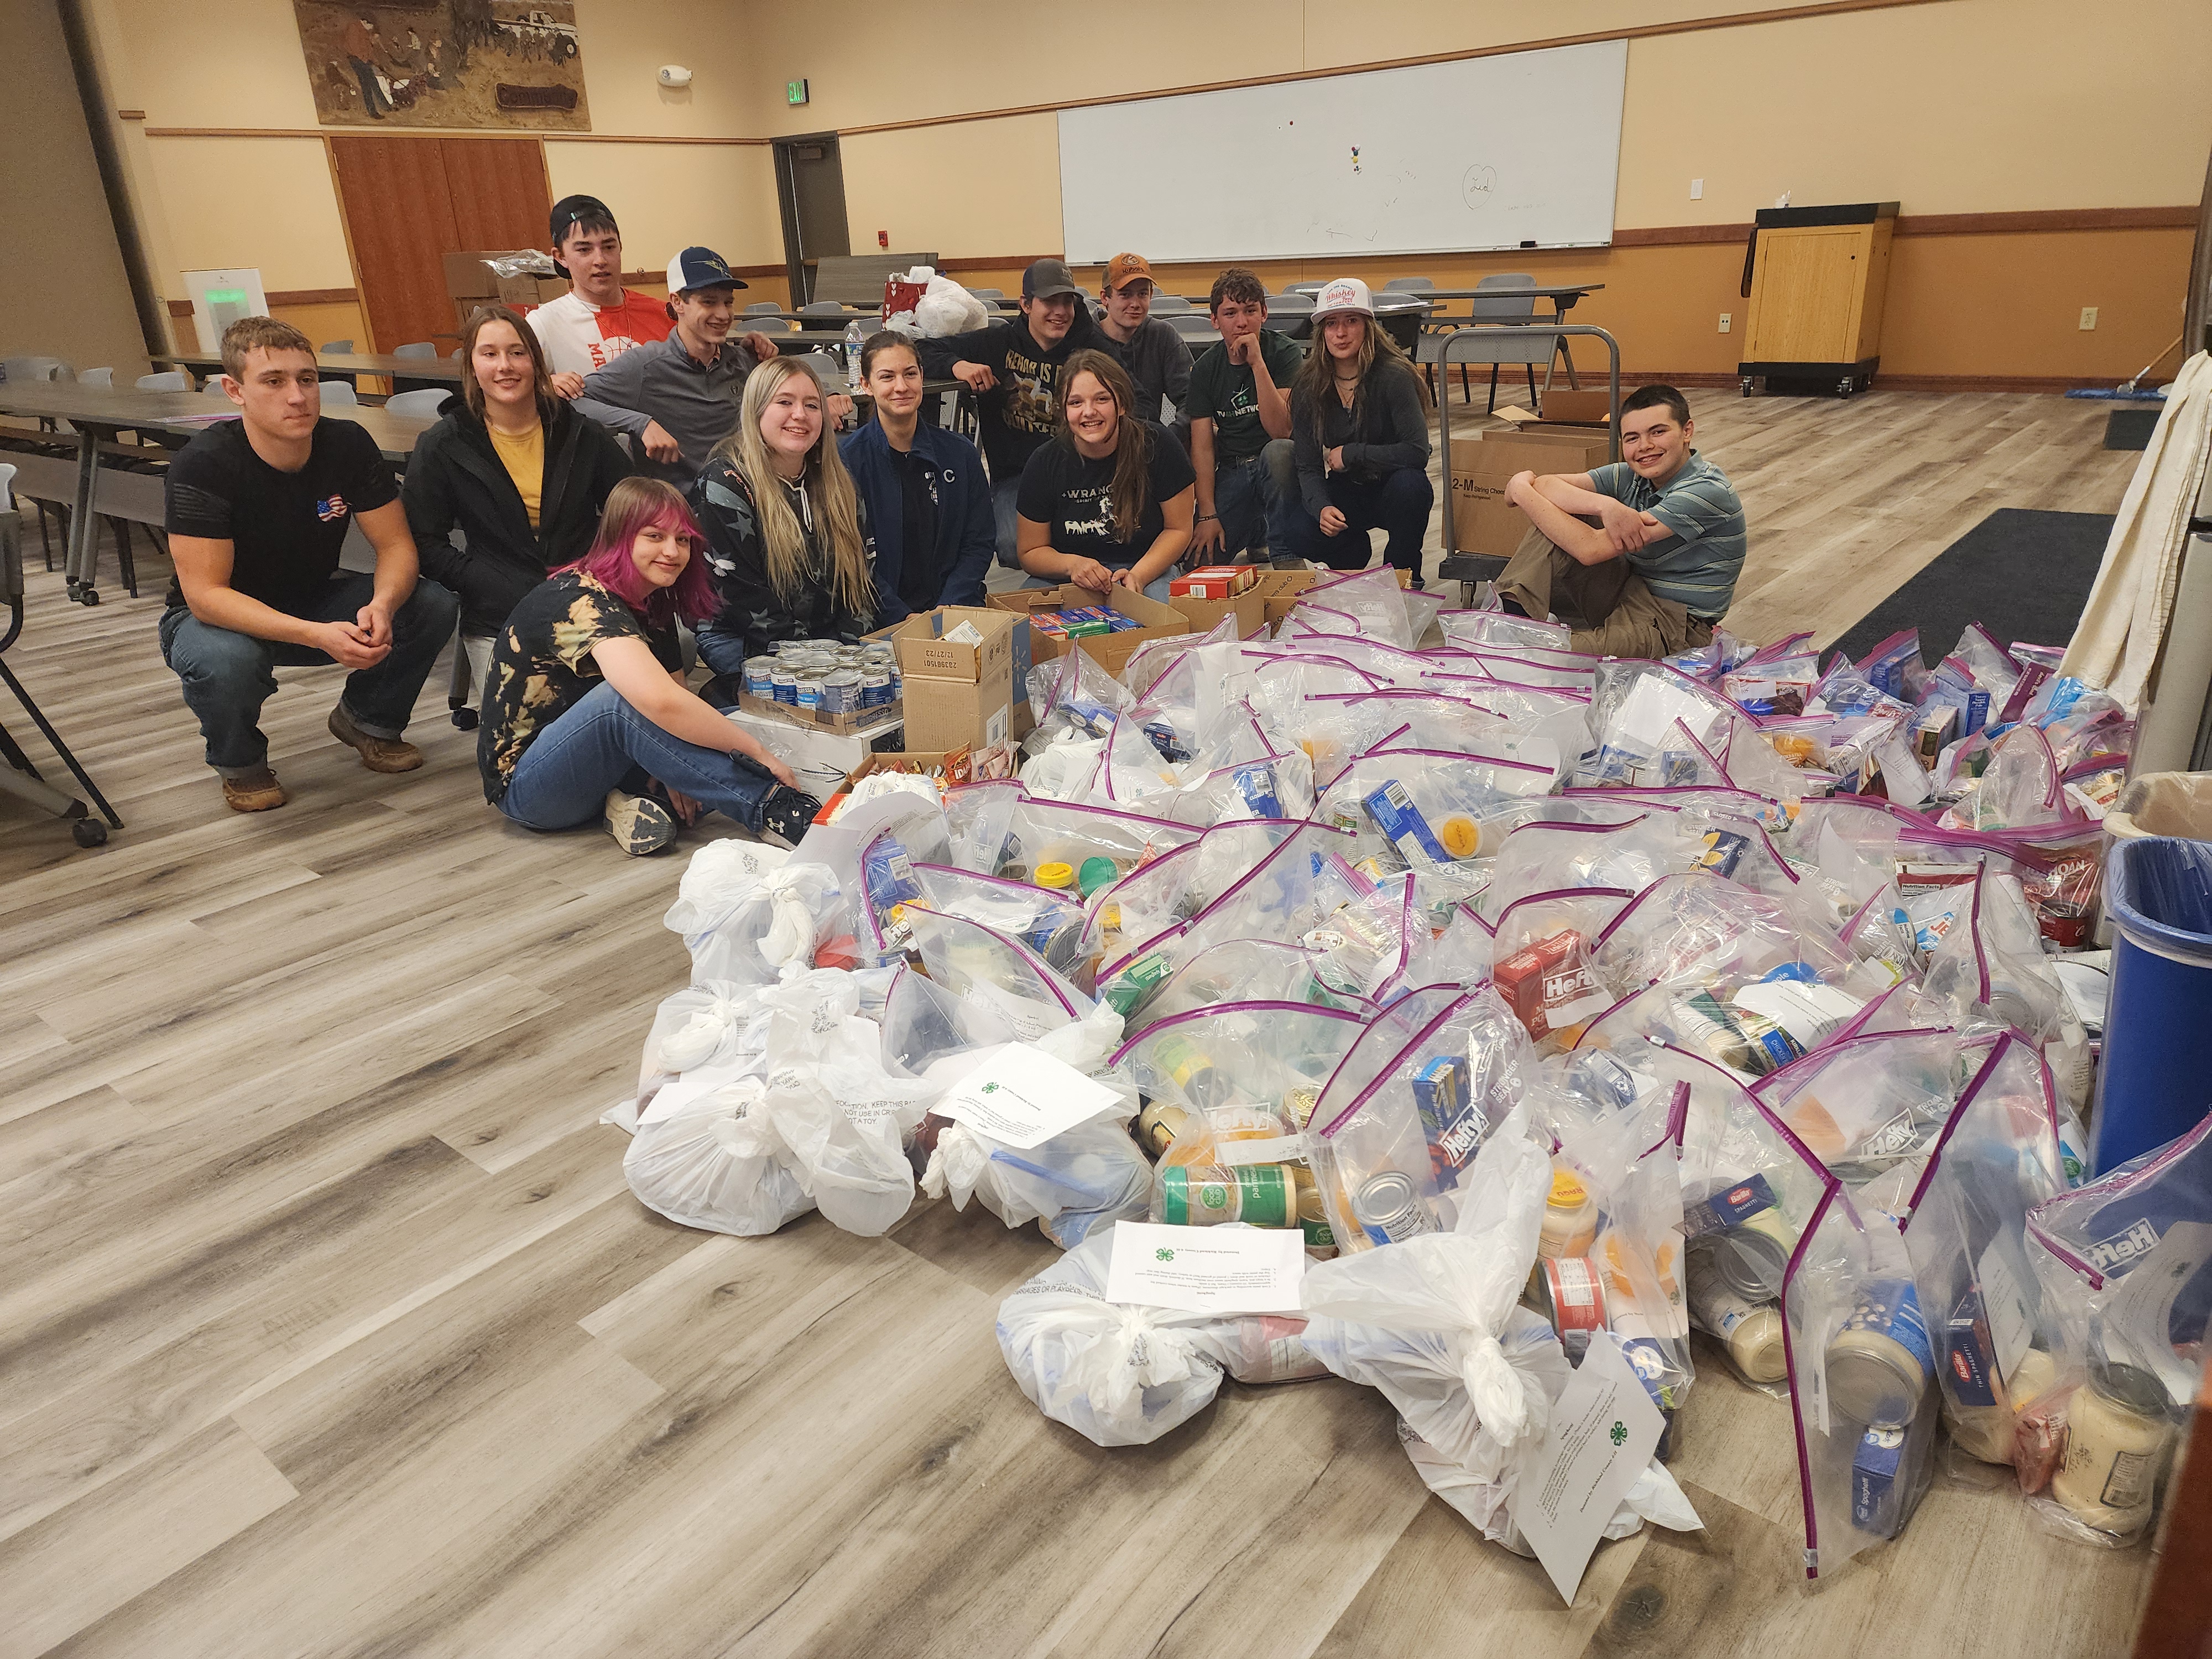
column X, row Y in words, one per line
column 794, row 92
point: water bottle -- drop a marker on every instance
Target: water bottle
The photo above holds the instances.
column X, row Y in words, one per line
column 855, row 334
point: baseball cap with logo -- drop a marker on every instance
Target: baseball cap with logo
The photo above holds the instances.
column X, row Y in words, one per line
column 699, row 267
column 1126, row 268
column 1047, row 279
column 1346, row 294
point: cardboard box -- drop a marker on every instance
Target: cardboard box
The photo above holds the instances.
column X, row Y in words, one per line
column 959, row 765
column 859, row 720
column 960, row 695
column 925, row 653
column 1279, row 590
column 1249, row 608
column 1482, row 520
column 1212, row 581
column 471, row 282
column 1111, row 651
column 1589, row 406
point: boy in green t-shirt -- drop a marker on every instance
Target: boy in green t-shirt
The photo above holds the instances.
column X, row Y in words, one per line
column 1240, row 409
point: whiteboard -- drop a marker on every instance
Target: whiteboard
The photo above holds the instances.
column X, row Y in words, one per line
column 1483, row 153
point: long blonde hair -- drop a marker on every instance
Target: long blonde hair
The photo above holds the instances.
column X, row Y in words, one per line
column 1316, row 375
column 836, row 503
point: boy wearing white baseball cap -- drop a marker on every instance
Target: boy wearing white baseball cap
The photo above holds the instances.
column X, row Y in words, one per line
column 1360, row 426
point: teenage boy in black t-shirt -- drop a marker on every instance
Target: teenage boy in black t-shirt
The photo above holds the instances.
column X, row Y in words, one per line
column 257, row 511
column 1239, row 406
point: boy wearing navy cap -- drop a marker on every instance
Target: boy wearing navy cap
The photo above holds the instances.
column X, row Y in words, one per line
column 679, row 397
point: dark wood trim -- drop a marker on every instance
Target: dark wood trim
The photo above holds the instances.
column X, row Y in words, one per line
column 1678, row 236
column 1007, row 262
column 1887, row 381
column 130, row 115
column 1644, row 32
column 2048, row 219
column 637, row 138
column 313, row 296
column 461, row 132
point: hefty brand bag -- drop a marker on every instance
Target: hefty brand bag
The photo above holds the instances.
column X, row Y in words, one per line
column 1285, row 895
column 1391, row 1163
column 1275, row 1055
column 1039, row 833
column 1006, row 978
column 1540, row 961
column 2125, row 1293
column 1867, row 1103
column 1373, row 600
column 1128, row 916
column 1965, row 1233
column 1050, row 922
column 1475, row 629
column 1237, row 970
column 1423, row 809
column 1989, row 971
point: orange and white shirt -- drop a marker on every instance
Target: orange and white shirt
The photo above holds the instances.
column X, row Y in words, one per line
column 579, row 337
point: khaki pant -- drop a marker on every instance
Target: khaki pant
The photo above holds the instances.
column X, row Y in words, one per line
column 1621, row 616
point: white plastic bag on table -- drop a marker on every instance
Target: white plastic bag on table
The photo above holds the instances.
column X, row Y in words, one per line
column 1965, row 1232
column 707, row 1154
column 946, row 308
column 1867, row 1103
column 1501, row 628
column 1862, row 1376
column 843, row 1117
column 981, row 965
column 2121, row 1263
column 1396, row 1161
column 1118, row 1376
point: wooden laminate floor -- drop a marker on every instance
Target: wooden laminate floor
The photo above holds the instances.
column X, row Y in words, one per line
column 328, row 1327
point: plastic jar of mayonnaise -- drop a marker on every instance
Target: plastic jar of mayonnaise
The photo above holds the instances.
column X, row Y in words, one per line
column 2116, row 1436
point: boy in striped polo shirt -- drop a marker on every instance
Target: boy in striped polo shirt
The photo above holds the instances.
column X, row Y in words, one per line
column 1656, row 573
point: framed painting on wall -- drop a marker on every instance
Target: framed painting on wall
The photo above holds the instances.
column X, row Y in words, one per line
column 500, row 63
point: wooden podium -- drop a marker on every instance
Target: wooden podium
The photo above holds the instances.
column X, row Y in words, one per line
column 1816, row 277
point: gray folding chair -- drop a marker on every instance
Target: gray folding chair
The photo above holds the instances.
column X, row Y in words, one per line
column 761, row 308
column 826, row 369
column 34, row 369
column 213, row 391
column 335, row 348
column 1511, row 308
column 103, row 378
column 824, row 309
column 416, row 348
column 1290, row 314
column 1409, row 285
column 169, row 380
column 18, row 776
column 339, row 394
column 425, row 402
column 1165, row 303
column 988, row 292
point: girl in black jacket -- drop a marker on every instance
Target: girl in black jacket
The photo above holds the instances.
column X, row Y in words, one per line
column 514, row 468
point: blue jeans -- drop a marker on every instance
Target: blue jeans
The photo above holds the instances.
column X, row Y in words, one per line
column 1397, row 503
column 1005, row 494
column 722, row 649
column 1249, row 501
column 603, row 743
column 227, row 675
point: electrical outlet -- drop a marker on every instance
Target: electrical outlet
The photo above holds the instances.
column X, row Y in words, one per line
column 1696, row 190
column 1728, row 319
column 2088, row 318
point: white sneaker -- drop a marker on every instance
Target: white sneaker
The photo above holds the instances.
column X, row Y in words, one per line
column 638, row 823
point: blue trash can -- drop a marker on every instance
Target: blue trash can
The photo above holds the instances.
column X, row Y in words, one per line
column 2155, row 1082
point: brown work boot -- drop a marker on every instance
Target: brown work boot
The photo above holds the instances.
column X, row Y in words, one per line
column 256, row 792
column 377, row 754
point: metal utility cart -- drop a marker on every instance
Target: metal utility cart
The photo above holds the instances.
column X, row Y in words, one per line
column 1816, row 278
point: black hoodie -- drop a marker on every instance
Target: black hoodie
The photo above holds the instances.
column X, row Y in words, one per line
column 1022, row 410
column 455, row 479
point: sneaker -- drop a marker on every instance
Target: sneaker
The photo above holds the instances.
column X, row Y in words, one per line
column 638, row 823
column 377, row 754
column 786, row 817
column 256, row 792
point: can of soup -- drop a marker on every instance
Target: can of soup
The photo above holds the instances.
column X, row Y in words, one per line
column 1571, row 1292
column 759, row 679
column 808, row 688
column 875, row 688
column 784, row 683
column 841, row 691
column 1389, row 1207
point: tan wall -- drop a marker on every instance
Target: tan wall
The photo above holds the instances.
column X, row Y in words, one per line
column 63, row 289
column 1949, row 106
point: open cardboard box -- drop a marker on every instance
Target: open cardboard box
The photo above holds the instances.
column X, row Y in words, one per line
column 959, row 695
column 1111, row 651
column 1480, row 466
column 860, row 719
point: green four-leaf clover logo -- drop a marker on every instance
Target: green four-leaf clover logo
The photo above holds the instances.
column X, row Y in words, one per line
column 1620, row 1432
column 1164, row 1255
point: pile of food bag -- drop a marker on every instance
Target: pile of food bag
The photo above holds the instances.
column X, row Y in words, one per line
column 1557, row 1003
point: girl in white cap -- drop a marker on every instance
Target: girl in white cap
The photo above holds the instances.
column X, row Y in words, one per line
column 1360, row 427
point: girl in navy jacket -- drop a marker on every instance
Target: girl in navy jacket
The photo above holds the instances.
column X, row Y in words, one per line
column 928, row 503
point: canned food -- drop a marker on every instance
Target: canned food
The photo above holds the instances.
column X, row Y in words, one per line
column 841, row 691
column 1571, row 1292
column 1744, row 1237
column 1259, row 1195
column 898, row 682
column 759, row 679
column 875, row 688
column 1880, row 1364
column 808, row 688
column 1159, row 1123
column 1389, row 1207
column 1056, row 875
column 784, row 683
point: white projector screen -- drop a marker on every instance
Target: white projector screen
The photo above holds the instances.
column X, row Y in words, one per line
column 1484, row 153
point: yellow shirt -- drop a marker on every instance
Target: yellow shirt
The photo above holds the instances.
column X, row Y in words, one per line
column 523, row 458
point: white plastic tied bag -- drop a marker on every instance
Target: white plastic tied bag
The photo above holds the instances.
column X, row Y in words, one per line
column 706, row 1155
column 702, row 1025
column 1117, row 1375
column 749, row 914
column 1425, row 1319
column 844, row 1118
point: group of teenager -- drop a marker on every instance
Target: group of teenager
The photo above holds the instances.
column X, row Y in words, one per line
column 567, row 562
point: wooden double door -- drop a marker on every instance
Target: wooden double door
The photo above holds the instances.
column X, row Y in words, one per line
column 410, row 202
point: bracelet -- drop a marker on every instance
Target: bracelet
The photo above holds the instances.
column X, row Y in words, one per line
column 1205, row 518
